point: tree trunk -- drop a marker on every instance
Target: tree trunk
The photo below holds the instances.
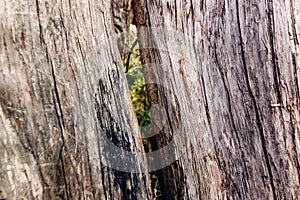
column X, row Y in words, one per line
column 222, row 79
column 62, row 87
column 231, row 70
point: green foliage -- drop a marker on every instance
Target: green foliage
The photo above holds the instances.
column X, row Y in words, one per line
column 136, row 81
column 139, row 98
column 138, row 93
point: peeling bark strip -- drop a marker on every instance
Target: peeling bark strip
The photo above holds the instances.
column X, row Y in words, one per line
column 231, row 91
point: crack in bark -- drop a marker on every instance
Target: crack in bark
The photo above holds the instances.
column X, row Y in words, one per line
column 258, row 120
column 223, row 75
column 276, row 70
column 39, row 22
column 61, row 159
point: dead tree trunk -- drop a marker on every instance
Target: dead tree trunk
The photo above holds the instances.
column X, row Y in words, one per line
column 224, row 75
column 231, row 71
column 62, row 86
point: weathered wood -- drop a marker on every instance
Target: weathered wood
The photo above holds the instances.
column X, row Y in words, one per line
column 225, row 77
column 235, row 73
column 62, row 85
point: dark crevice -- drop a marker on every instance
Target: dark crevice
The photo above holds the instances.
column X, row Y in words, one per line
column 129, row 56
column 60, row 120
column 111, row 131
column 296, row 42
column 61, row 160
column 65, row 33
column 223, row 76
column 103, row 182
column 60, row 113
column 40, row 24
column 90, row 174
column 276, row 70
column 70, row 7
column 166, row 183
column 292, row 10
column 207, row 112
column 293, row 134
column 256, row 110
column 123, row 19
column 97, row 106
column 175, row 2
column 6, row 49
column 56, row 99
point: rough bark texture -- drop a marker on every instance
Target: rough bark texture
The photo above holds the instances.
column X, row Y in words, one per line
column 61, row 86
column 237, row 86
column 232, row 96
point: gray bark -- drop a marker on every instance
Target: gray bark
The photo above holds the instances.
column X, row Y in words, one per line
column 62, row 85
column 235, row 73
column 229, row 87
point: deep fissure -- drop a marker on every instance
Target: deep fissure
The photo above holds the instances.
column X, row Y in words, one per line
column 129, row 50
column 128, row 18
column 139, row 98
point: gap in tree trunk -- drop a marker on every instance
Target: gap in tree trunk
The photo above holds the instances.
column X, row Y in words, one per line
column 132, row 65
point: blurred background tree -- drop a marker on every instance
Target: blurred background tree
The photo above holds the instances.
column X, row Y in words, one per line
column 137, row 86
column 135, row 79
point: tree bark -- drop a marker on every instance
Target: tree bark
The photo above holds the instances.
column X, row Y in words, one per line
column 237, row 84
column 62, row 86
column 225, row 73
